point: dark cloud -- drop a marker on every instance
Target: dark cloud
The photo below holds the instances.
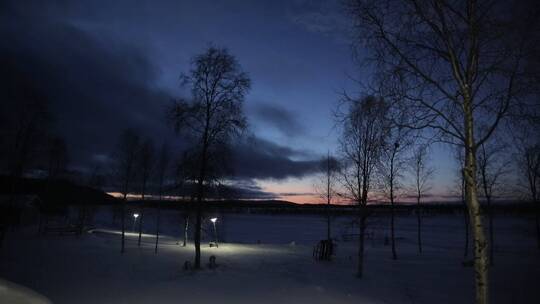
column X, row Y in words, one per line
column 297, row 194
column 279, row 118
column 258, row 158
column 246, row 189
column 95, row 85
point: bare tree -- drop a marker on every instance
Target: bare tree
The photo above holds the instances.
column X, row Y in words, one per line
column 528, row 164
column 212, row 116
column 392, row 167
column 363, row 131
column 491, row 168
column 161, row 174
column 125, row 159
column 95, row 179
column 58, row 158
column 422, row 173
column 186, row 175
column 23, row 132
column 453, row 66
column 25, row 119
column 146, row 165
column 145, row 168
column 326, row 187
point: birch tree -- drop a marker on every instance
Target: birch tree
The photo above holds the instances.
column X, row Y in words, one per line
column 211, row 117
column 146, row 165
column 161, row 175
column 392, row 167
column 125, row 164
column 326, row 187
column 361, row 141
column 422, row 174
column 453, row 66
column 491, row 169
column 527, row 148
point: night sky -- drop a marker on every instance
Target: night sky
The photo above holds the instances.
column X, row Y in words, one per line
column 108, row 65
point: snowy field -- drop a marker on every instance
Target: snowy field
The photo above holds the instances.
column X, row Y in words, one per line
column 268, row 259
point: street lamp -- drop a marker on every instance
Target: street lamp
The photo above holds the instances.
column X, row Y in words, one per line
column 213, row 220
column 135, row 216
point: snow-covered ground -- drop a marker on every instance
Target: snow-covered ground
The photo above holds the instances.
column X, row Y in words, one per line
column 268, row 259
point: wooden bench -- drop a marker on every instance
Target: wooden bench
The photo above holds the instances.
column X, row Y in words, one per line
column 324, row 250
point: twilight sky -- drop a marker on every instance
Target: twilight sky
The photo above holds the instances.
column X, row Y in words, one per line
column 108, row 65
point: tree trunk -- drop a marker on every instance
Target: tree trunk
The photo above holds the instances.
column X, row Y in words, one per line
column 480, row 248
column 198, row 215
column 419, row 226
column 466, row 221
column 491, row 238
column 394, row 255
column 537, row 218
column 480, row 244
column 465, row 216
column 123, row 223
column 157, row 224
column 140, row 228
column 197, row 238
column 142, row 212
column 329, row 236
column 328, row 196
column 362, row 226
column 186, row 229
column 487, row 195
column 392, row 219
column 200, row 193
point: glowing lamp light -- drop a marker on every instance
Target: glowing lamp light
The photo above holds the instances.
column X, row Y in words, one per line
column 135, row 215
column 213, row 220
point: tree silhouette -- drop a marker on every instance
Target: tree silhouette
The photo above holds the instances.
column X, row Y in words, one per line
column 326, row 186
column 24, row 124
column 161, row 174
column 422, row 174
column 392, row 167
column 491, row 169
column 363, row 134
column 527, row 148
column 145, row 168
column 126, row 161
column 58, row 158
column 211, row 117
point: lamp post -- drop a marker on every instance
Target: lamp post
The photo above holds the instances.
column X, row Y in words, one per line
column 213, row 220
column 135, row 216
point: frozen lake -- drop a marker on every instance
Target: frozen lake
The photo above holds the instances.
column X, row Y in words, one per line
column 267, row 259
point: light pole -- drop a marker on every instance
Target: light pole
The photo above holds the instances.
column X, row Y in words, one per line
column 213, row 220
column 135, row 216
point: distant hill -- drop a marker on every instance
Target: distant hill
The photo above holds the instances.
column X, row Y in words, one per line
column 226, row 203
column 281, row 206
column 54, row 192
